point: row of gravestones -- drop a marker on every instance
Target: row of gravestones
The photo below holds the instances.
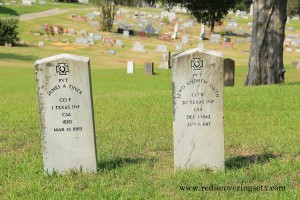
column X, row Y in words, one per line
column 67, row 119
column 292, row 40
column 30, row 2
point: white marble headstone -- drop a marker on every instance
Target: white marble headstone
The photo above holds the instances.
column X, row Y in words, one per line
column 198, row 126
column 66, row 113
column 130, row 67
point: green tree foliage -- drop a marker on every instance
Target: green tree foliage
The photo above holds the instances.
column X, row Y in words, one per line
column 108, row 10
column 207, row 11
column 293, row 7
column 243, row 5
column 8, row 30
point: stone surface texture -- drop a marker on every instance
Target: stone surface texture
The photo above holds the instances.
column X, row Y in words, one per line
column 66, row 113
column 198, row 124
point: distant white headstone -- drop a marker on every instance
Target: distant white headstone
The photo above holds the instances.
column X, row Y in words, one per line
column 41, row 43
column 126, row 34
column 178, row 46
column 66, row 113
column 165, row 60
column 215, row 38
column 185, row 39
column 71, row 31
column 202, row 33
column 201, row 46
column 174, row 36
column 251, row 10
column 119, row 43
column 170, row 15
column 198, row 125
column 27, row 2
column 162, row 48
column 112, row 52
column 82, row 41
column 130, row 67
column 138, row 47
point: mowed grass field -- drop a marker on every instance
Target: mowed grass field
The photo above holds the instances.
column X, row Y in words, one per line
column 133, row 117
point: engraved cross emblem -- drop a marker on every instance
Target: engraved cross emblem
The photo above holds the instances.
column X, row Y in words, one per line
column 62, row 68
column 197, row 63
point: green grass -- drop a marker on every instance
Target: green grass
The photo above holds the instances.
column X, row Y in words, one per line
column 19, row 9
column 133, row 118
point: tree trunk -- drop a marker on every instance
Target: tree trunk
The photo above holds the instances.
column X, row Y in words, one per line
column 266, row 55
column 212, row 25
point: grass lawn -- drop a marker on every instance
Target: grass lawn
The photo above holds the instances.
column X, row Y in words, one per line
column 134, row 136
column 19, row 9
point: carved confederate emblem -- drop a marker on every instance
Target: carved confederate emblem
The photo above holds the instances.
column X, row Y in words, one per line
column 62, row 68
column 197, row 63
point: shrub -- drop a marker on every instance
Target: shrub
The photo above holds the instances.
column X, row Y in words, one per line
column 8, row 30
column 165, row 20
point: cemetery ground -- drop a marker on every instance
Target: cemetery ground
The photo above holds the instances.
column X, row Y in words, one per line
column 133, row 118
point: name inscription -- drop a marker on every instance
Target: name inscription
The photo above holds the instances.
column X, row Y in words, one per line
column 200, row 114
column 65, row 109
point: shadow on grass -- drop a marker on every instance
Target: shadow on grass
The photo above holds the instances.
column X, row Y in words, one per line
column 8, row 11
column 294, row 83
column 121, row 162
column 244, row 161
column 234, row 34
column 14, row 56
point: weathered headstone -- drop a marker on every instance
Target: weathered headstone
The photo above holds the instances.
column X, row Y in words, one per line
column 41, row 43
column 174, row 36
column 170, row 15
column 198, row 124
column 95, row 24
column 27, row 2
column 215, row 38
column 41, row 2
column 138, row 47
column 71, row 31
column 126, row 34
column 251, row 10
column 108, row 41
column 295, row 63
column 201, row 46
column 165, row 60
column 178, row 46
column 83, row 32
column 149, row 68
column 97, row 37
column 202, row 33
column 149, row 28
column 91, row 16
column 162, row 48
column 130, row 67
column 240, row 41
column 82, row 41
column 289, row 49
column 91, row 39
column 185, row 39
column 111, row 52
column 229, row 66
column 66, row 113
column 119, row 43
